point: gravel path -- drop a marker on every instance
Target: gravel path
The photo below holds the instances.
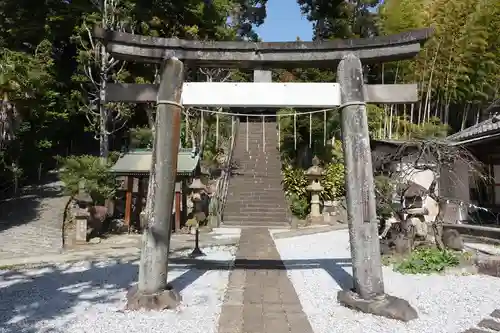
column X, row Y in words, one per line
column 446, row 304
column 31, row 224
column 90, row 297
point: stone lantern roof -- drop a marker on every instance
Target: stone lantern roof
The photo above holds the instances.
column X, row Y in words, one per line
column 197, row 185
column 315, row 171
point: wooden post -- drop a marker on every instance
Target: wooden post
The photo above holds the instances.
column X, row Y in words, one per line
column 178, row 207
column 368, row 295
column 184, row 193
column 129, row 181
column 140, row 196
column 153, row 291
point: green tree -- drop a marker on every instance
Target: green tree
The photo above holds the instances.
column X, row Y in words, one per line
column 340, row 19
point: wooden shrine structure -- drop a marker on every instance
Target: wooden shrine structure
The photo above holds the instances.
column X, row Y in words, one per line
column 134, row 167
column 350, row 94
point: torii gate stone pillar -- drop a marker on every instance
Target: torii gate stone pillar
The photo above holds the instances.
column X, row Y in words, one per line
column 368, row 292
column 349, row 93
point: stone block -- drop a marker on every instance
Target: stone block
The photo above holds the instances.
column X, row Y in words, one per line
column 234, row 297
column 80, row 229
column 231, row 319
column 490, row 324
column 382, row 305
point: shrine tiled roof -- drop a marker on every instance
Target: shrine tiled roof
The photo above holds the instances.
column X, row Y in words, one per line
column 484, row 128
column 138, row 163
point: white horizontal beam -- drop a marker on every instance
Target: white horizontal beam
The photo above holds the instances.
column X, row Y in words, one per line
column 262, row 94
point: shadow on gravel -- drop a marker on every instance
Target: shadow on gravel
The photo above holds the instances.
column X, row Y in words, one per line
column 29, row 297
column 26, row 207
column 334, row 267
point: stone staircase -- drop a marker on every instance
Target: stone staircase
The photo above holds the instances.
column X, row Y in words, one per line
column 255, row 194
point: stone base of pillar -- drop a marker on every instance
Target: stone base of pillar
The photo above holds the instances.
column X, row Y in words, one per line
column 383, row 305
column 315, row 220
column 164, row 300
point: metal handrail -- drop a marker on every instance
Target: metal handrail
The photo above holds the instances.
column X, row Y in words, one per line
column 223, row 183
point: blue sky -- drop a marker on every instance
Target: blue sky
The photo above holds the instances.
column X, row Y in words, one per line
column 284, row 22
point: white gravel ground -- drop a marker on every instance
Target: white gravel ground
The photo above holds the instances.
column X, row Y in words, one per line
column 90, row 297
column 445, row 304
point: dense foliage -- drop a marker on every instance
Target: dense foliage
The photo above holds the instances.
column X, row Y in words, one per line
column 52, row 73
column 88, row 171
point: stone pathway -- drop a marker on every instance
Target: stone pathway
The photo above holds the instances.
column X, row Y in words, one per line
column 260, row 298
column 31, row 223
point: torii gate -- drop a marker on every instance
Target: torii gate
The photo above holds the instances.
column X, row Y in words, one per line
column 350, row 94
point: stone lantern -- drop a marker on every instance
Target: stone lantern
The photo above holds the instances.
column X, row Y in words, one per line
column 415, row 210
column 83, row 200
column 314, row 175
column 197, row 187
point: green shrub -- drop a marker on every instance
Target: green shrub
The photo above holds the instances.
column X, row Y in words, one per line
column 333, row 182
column 294, row 181
column 299, row 206
column 427, row 260
column 98, row 182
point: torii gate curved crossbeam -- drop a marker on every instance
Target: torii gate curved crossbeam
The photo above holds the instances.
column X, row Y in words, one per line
column 322, row 54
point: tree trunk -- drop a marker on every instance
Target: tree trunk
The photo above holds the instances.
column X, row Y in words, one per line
column 429, row 86
column 103, row 112
column 391, row 109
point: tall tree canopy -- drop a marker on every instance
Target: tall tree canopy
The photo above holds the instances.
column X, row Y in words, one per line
column 50, row 71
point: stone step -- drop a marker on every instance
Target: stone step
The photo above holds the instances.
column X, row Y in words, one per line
column 256, row 215
column 243, row 224
column 259, row 167
column 256, row 210
column 263, row 218
column 267, row 175
column 277, row 203
column 247, row 162
column 255, row 194
column 259, row 160
column 236, row 205
column 253, row 186
column 270, row 202
column 236, row 192
column 258, row 198
column 247, row 219
column 256, row 175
